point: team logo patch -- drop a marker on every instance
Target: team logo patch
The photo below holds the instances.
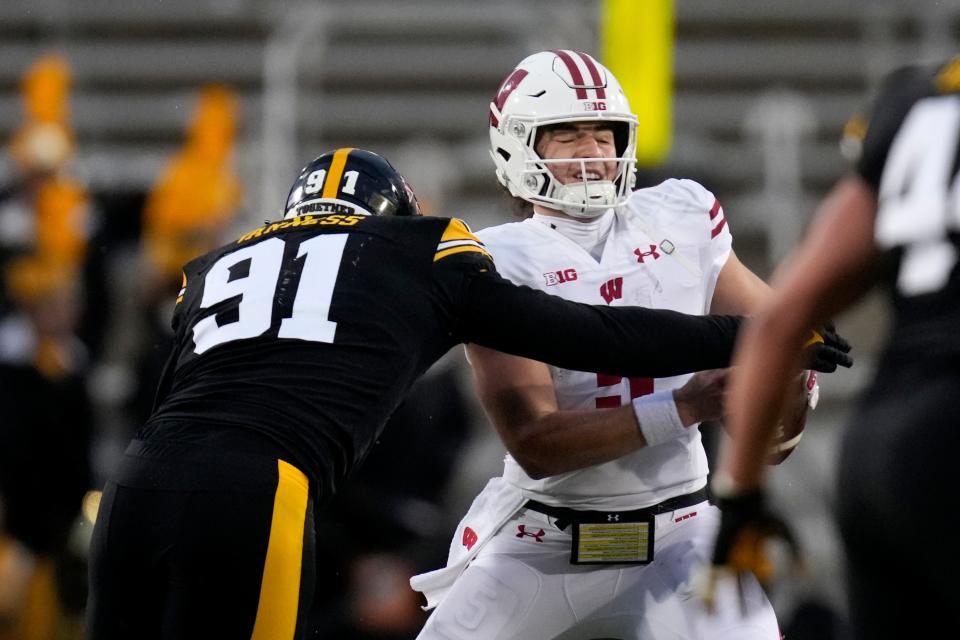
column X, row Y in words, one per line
column 559, row 277
column 612, row 290
column 469, row 538
column 522, row 532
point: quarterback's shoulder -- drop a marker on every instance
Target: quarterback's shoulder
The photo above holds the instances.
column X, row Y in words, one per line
column 679, row 193
column 680, row 204
column 510, row 234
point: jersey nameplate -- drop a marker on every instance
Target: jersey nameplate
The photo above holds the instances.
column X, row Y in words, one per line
column 303, row 221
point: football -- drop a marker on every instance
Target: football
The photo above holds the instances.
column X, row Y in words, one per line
column 794, row 419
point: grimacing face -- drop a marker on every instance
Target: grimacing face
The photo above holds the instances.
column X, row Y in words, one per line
column 579, row 140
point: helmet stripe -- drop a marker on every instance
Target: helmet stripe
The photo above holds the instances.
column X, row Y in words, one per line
column 505, row 90
column 574, row 70
column 332, row 184
column 594, row 74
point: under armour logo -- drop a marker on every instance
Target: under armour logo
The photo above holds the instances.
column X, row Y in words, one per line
column 522, row 531
column 642, row 254
column 613, row 517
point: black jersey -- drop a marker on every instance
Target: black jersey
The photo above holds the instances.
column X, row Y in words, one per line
column 911, row 156
column 309, row 331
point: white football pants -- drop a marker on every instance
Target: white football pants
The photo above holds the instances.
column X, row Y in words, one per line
column 522, row 585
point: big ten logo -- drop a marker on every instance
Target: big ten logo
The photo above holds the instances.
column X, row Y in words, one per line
column 590, row 105
column 612, row 290
column 559, row 277
column 638, row 387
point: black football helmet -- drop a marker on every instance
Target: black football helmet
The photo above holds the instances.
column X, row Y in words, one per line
column 349, row 181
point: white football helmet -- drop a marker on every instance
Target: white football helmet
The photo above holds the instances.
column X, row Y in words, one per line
column 560, row 86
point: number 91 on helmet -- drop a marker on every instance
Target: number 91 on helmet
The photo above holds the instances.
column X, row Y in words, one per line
column 351, row 181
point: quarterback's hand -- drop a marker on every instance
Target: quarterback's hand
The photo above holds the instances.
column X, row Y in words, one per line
column 745, row 527
column 702, row 397
column 826, row 350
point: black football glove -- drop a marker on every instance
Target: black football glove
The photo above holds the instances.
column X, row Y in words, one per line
column 827, row 350
column 745, row 527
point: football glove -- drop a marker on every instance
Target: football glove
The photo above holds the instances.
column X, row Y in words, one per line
column 826, row 350
column 745, row 527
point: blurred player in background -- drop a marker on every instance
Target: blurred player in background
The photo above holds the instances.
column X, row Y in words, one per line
column 595, row 525
column 198, row 193
column 294, row 345
column 46, row 427
column 896, row 221
column 45, row 213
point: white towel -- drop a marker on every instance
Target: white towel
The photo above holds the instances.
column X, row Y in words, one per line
column 496, row 504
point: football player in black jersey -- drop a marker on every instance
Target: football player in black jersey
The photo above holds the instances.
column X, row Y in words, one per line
column 294, row 345
column 895, row 221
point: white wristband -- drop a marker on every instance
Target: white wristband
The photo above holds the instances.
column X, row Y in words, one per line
column 657, row 415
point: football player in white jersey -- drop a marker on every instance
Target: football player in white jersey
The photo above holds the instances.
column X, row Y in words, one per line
column 595, row 526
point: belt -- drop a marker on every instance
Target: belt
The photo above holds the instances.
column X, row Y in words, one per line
column 565, row 516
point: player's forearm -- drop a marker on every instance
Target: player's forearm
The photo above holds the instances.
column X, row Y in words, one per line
column 565, row 441
column 763, row 370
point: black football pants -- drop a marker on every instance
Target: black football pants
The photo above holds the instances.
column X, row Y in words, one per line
column 897, row 505
column 201, row 544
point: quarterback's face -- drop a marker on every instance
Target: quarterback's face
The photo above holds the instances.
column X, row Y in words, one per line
column 579, row 140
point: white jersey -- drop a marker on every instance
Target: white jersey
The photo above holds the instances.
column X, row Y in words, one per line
column 664, row 250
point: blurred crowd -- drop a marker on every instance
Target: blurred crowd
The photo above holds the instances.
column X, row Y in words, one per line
column 88, row 284
column 60, row 319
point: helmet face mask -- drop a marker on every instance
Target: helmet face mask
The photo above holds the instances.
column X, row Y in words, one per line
column 561, row 87
column 351, row 181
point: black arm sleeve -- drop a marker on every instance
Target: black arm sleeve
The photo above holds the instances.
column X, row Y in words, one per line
column 625, row 341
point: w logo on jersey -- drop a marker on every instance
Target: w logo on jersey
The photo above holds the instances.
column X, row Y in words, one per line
column 612, row 290
column 643, row 254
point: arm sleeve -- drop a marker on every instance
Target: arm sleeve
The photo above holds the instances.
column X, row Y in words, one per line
column 626, row 341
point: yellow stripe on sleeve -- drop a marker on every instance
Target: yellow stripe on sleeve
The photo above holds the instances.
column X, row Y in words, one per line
column 332, row 184
column 948, row 80
column 183, row 288
column 280, row 586
column 440, row 255
column 457, row 230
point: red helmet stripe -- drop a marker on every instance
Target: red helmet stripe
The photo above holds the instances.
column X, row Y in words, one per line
column 504, row 92
column 594, row 74
column 574, row 70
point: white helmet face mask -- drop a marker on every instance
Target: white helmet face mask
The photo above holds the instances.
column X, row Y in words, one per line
column 561, row 87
